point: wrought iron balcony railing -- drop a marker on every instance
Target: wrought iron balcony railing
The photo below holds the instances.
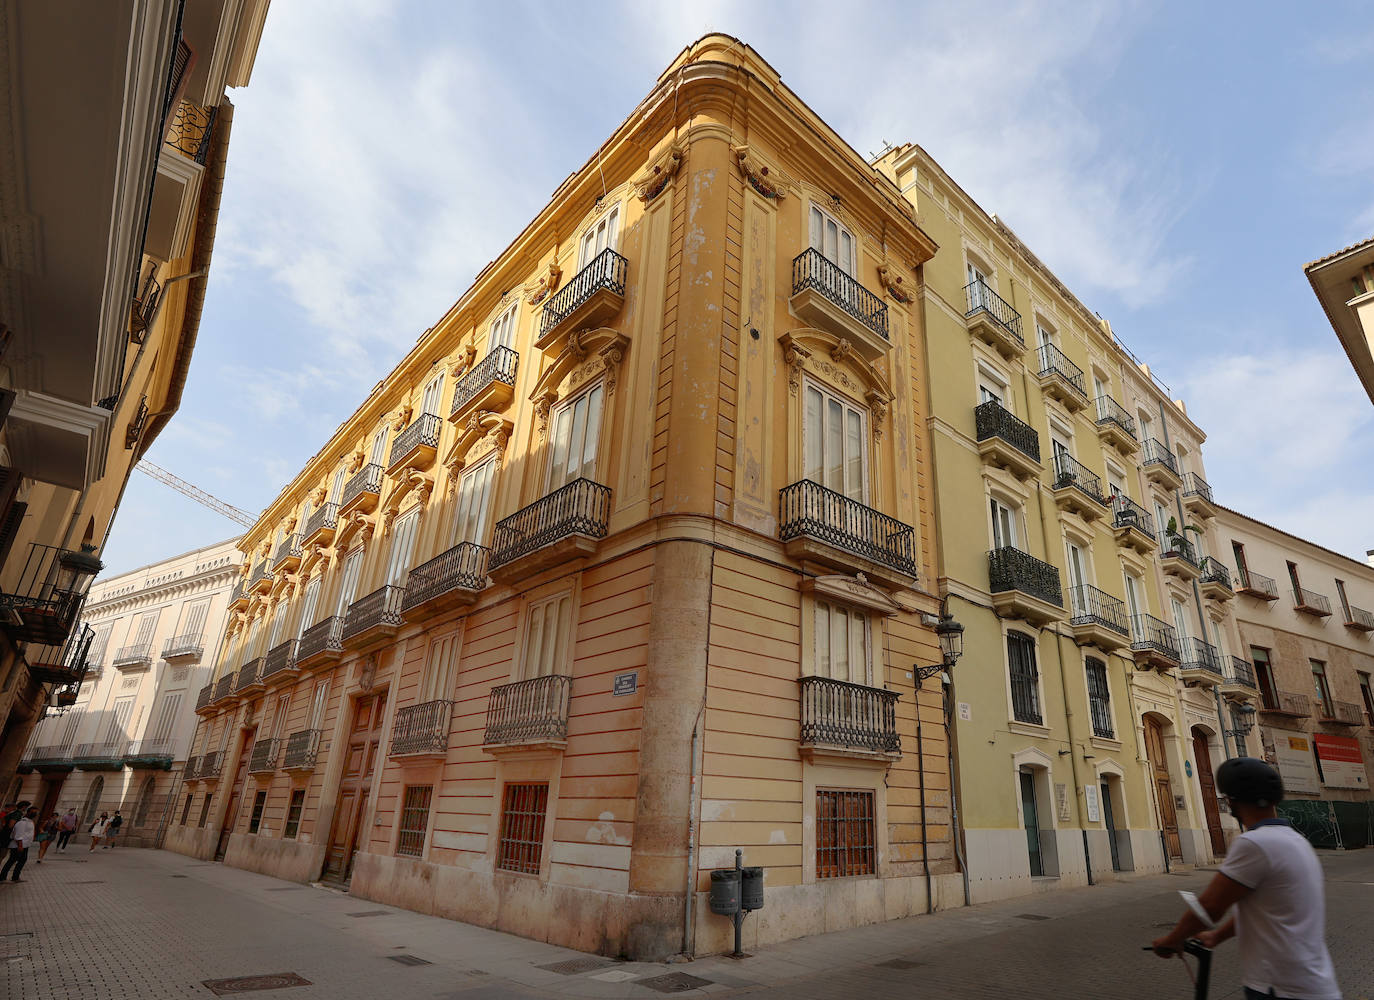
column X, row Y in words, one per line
column 192, row 769
column 1149, row 633
column 183, row 645
column 207, row 695
column 500, row 365
column 462, row 567
column 144, row 307
column 368, row 479
column 325, row 516
column 264, row 756
column 1359, row 618
column 1311, row 601
column 64, row 664
column 992, row 420
column 50, row 756
column 211, row 764
column 302, row 750
column 1126, row 513
column 190, row 130
column 605, row 271
column 811, row 269
column 1176, row 546
column 137, row 422
column 127, row 656
column 580, row 508
column 1200, row 655
column 1242, row 672
column 42, row 604
column 381, row 608
column 280, row 658
column 529, row 711
column 852, row 716
column 1110, row 411
column 1053, row 361
column 1091, row 606
column 1214, row 571
column 249, row 674
column 290, row 548
column 981, row 297
column 810, row 509
column 238, row 593
column 1345, row 713
column 422, row 432
column 224, row 687
column 262, row 571
column 100, row 756
column 1069, row 471
column 422, row 729
column 1156, row 454
column 323, row 637
column 149, row 753
column 1011, row 569
column 1195, row 486
column 1258, row 584
column 1285, row 703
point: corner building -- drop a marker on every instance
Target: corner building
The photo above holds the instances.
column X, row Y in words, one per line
column 626, row 565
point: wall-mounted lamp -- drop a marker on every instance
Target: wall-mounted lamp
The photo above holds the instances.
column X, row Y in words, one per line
column 1244, row 716
column 951, row 636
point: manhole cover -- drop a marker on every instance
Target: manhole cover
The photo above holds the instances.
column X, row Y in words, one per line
column 1031, row 916
column 249, row 984
column 900, row 963
column 371, row 913
column 576, row 966
column 409, row 960
column 675, row 982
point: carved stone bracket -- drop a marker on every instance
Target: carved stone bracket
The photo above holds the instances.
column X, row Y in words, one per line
column 893, row 281
column 355, row 461
column 542, row 405
column 463, row 361
column 794, row 355
column 877, row 405
column 651, row 183
column 537, row 291
column 402, row 418
column 767, row 180
column 318, row 496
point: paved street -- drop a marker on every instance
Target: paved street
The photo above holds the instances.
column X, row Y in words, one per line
column 130, row 923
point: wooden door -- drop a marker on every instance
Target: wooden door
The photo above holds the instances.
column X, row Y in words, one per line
column 1109, row 821
column 1202, row 758
column 1164, row 789
column 235, row 794
column 355, row 784
column 52, row 788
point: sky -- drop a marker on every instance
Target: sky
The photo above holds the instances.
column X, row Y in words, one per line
column 1175, row 164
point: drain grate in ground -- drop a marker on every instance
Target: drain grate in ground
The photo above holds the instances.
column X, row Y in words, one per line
column 94, row 881
column 1031, row 916
column 250, row 984
column 577, row 966
column 409, row 960
column 181, row 876
column 674, row 982
column 371, row 913
column 900, row 963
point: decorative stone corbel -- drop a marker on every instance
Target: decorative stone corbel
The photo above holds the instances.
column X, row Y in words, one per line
column 840, row 351
column 877, row 406
column 794, row 356
column 364, row 524
column 575, row 344
column 421, row 484
column 355, row 461
column 317, row 497
column 764, row 179
column 892, row 281
column 402, row 418
column 611, row 357
column 539, row 290
column 542, row 405
column 463, row 361
column 651, row 184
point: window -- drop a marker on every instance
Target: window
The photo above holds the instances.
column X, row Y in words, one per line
column 1116, row 481
column 441, row 668
column 1180, row 621
column 1293, row 578
column 147, row 623
column 118, row 731
column 1367, row 694
column 348, row 586
column 312, row 600
column 1043, row 334
column 502, row 332
column 278, row 621
column 601, row 235
column 259, row 802
column 1345, row 602
column 1100, row 386
column 846, row 833
column 167, row 717
column 522, row 828
column 1100, row 699
column 279, row 717
column 1078, row 575
column 186, row 809
column 293, row 814
column 1264, row 675
column 193, row 618
column 378, row 453
column 1323, row 689
column 1003, row 525
column 1147, row 427
column 547, row 630
column 414, row 820
column 576, row 427
column 833, row 438
column 842, row 644
column 991, row 387
column 474, row 502
column 1242, row 569
column 434, row 392
column 1025, row 679
column 834, row 242
column 980, row 286
column 1162, row 520
column 336, row 488
column 205, row 809
column 402, row 547
column 317, row 704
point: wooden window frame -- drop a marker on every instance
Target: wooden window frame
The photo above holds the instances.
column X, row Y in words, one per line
column 524, row 817
column 846, row 833
column 412, row 822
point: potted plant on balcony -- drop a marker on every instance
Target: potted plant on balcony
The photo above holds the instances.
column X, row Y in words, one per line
column 1171, row 531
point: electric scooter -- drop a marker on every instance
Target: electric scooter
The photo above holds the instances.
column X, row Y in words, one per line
column 1203, row 954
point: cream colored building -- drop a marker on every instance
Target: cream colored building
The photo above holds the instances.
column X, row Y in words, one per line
column 124, row 743
column 1344, row 285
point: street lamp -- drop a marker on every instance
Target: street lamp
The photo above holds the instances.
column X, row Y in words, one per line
column 951, row 636
column 1243, row 716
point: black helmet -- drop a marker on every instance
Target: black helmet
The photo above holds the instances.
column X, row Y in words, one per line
column 1247, row 779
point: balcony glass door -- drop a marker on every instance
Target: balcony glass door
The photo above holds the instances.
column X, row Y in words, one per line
column 474, row 502
column 278, row 621
column 378, row 455
column 433, row 393
column 1077, row 577
column 978, row 286
column 349, row 584
column 842, row 644
column 441, row 670
column 576, row 427
column 834, row 242
column 600, row 236
column 336, row 488
column 312, row 600
column 1003, row 526
column 833, row 432
column 402, row 548
column 502, row 333
column 1180, row 622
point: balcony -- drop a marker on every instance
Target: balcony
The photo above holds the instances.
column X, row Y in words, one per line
column 840, row 719
column 181, row 649
column 1061, row 379
column 449, row 580
column 42, row 606
column 149, row 755
column 1197, row 496
column 1309, row 602
column 594, row 295
column 489, row 385
column 65, row 664
column 362, row 491
column 421, row 731
column 288, row 555
column 249, row 678
column 206, row 696
column 1132, row 525
column 211, row 765
column 50, row 759
column 1116, row 427
column 263, row 759
column 319, row 528
column 139, row 656
column 1358, row 619
column 826, row 297
column 1024, row 587
column 1200, row 663
column 321, row 644
column 992, row 320
column 1240, row 679
column 1215, row 580
column 260, row 580
column 1179, row 558
column 143, row 308
column 1257, row 585
column 302, row 751
column 1154, row 643
column 99, row 756
column 192, row 769
column 1160, row 465
column 224, row 687
column 374, row 617
column 416, row 446
column 1286, row 703
column 280, row 663
column 818, row 524
column 1005, row 441
column 1077, row 489
column 1098, row 619
column 527, row 714
column 238, row 597
column 1340, row 713
column 567, row 524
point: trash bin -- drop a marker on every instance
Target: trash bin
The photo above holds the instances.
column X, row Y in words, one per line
column 751, row 890
column 725, row 892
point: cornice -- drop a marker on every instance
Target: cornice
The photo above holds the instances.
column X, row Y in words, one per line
column 164, row 591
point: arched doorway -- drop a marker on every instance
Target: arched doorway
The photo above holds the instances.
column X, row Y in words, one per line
column 89, row 813
column 1164, row 788
column 1202, row 758
column 145, row 801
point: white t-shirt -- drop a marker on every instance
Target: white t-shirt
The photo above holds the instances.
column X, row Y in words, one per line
column 1281, row 924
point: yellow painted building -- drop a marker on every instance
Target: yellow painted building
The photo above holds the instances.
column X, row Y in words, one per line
column 1344, row 285
column 628, row 564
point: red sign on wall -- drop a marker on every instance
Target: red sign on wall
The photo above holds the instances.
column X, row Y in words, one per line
column 1341, row 761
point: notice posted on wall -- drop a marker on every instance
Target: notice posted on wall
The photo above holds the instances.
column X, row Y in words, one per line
column 1293, row 755
column 1341, row 761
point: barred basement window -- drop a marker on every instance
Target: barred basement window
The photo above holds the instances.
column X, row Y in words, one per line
column 846, row 840
column 1025, row 679
column 205, row 808
column 414, row 820
column 293, row 814
column 1100, row 699
column 255, row 820
column 522, row 828
column 186, row 809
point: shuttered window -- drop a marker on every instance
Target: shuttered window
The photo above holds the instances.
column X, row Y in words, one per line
column 547, row 635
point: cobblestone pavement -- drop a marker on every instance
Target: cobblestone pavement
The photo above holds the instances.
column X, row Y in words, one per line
column 153, row 925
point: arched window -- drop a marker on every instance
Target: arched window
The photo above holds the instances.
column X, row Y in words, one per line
column 88, row 814
column 145, row 800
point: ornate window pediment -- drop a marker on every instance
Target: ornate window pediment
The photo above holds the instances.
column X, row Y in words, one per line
column 412, row 481
column 485, row 433
column 588, row 354
column 355, row 523
column 833, row 360
column 855, row 591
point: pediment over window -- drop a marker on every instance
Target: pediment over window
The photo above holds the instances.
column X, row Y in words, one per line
column 855, row 591
column 588, row 354
column 482, row 435
column 833, row 359
column 420, row 484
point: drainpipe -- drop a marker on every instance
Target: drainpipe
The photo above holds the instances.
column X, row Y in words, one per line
column 958, row 837
column 1073, row 758
column 689, row 936
column 921, row 779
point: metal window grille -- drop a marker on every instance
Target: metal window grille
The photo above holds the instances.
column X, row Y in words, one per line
column 259, row 802
column 1025, row 676
column 522, row 827
column 414, row 820
column 205, row 809
column 1100, row 700
column 846, row 841
column 293, row 814
column 186, row 809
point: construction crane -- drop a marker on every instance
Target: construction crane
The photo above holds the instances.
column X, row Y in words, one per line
column 241, row 517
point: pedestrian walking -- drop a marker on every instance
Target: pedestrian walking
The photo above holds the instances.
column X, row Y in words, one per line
column 112, row 830
column 47, row 833
column 98, row 829
column 1273, row 878
column 21, row 835
column 66, row 826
